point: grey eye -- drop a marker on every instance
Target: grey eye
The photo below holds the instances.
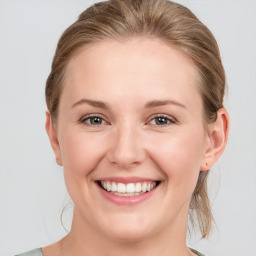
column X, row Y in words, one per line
column 93, row 120
column 161, row 120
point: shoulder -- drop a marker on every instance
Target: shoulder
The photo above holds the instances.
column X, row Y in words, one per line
column 36, row 252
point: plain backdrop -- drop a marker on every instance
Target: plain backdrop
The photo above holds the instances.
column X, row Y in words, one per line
column 32, row 190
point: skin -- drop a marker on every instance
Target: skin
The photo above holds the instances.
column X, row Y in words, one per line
column 129, row 142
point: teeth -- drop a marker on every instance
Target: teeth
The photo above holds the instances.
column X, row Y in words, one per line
column 108, row 186
column 114, row 187
column 129, row 189
column 104, row 185
column 144, row 187
column 138, row 187
column 121, row 188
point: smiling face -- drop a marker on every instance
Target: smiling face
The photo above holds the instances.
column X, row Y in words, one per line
column 131, row 137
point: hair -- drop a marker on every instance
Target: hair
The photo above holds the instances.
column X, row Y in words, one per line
column 170, row 22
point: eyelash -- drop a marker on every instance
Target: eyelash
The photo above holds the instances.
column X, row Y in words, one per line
column 168, row 119
column 91, row 117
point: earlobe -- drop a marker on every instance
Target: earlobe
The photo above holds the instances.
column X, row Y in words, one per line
column 218, row 139
column 52, row 134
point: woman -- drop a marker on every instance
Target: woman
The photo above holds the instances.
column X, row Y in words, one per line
column 136, row 118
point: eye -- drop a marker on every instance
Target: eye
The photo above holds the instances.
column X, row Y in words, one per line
column 93, row 120
column 162, row 120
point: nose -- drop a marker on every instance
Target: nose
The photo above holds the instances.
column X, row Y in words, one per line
column 126, row 148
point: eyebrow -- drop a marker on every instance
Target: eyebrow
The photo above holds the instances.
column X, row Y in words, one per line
column 94, row 103
column 150, row 104
column 158, row 103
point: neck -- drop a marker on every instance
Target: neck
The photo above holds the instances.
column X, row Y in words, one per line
column 85, row 239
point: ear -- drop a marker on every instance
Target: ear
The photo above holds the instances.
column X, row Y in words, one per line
column 218, row 134
column 52, row 134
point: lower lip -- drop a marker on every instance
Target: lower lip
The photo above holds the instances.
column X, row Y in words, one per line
column 126, row 200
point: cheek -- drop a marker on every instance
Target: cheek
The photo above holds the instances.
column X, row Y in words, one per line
column 81, row 152
column 179, row 156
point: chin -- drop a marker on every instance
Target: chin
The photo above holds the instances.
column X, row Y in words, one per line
column 127, row 231
column 128, row 235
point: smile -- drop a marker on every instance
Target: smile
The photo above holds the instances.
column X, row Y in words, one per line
column 130, row 189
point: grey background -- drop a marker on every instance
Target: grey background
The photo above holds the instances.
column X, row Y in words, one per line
column 32, row 191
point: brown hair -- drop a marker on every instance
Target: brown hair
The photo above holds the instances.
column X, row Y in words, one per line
column 162, row 19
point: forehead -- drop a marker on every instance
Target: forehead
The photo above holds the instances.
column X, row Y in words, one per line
column 140, row 66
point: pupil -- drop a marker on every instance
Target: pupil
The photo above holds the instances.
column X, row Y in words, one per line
column 96, row 120
column 161, row 120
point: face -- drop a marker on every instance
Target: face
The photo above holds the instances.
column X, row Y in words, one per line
column 131, row 137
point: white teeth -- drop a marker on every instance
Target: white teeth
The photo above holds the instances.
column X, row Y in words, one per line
column 108, row 186
column 121, row 188
column 144, row 187
column 127, row 194
column 129, row 189
column 138, row 187
column 114, row 187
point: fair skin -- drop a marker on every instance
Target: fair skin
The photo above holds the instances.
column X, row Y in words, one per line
column 130, row 112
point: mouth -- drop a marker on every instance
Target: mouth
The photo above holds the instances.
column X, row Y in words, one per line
column 128, row 189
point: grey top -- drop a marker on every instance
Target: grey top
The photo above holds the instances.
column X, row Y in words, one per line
column 196, row 252
column 38, row 252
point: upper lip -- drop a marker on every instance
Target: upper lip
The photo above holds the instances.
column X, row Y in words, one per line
column 127, row 180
